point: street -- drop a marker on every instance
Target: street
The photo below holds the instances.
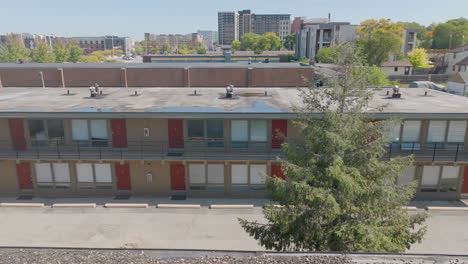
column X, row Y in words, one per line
column 176, row 229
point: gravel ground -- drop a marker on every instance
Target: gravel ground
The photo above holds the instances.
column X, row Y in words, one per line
column 49, row 256
column 70, row 256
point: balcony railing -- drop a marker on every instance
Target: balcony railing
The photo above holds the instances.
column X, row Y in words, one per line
column 205, row 149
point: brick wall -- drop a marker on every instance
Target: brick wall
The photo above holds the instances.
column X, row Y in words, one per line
column 155, row 77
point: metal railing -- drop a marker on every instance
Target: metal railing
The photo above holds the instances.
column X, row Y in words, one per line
column 206, row 149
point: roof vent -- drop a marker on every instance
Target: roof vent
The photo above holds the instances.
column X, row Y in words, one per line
column 396, row 92
column 229, row 91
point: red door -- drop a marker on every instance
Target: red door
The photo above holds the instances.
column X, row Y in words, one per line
column 122, row 171
column 176, row 133
column 279, row 131
column 277, row 171
column 17, row 133
column 465, row 181
column 177, row 177
column 119, row 133
column 23, row 170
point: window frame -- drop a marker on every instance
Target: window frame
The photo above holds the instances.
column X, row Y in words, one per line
column 206, row 186
column 406, row 145
column 48, row 140
column 90, row 142
column 95, row 185
column 53, row 184
column 201, row 142
column 249, row 143
column 446, row 144
column 443, row 184
column 249, row 186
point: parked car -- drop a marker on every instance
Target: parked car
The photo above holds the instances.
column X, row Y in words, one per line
column 426, row 84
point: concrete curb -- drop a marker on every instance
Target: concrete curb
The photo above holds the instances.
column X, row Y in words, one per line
column 37, row 205
column 74, row 205
column 126, row 205
column 436, row 208
column 180, row 206
column 410, row 208
column 231, row 206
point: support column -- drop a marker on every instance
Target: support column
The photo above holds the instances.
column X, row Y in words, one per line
column 187, row 82
column 123, row 78
column 61, row 78
column 250, row 78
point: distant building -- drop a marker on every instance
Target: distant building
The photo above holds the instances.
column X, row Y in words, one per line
column 456, row 60
column 210, row 37
column 397, row 67
column 232, row 25
column 410, row 40
column 314, row 37
column 174, row 40
column 300, row 23
column 91, row 44
column 29, row 40
column 228, row 27
column 458, row 83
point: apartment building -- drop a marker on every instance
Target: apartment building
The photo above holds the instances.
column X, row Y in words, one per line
column 228, row 27
column 236, row 24
column 200, row 142
column 314, row 37
column 300, row 23
column 29, row 40
column 209, row 38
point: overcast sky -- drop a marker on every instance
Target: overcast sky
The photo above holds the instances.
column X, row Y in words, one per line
column 133, row 18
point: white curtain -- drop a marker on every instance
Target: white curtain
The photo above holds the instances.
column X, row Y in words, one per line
column 239, row 174
column 430, row 175
column 257, row 173
column 80, row 130
column 84, row 172
column 43, row 173
column 450, row 172
column 407, row 175
column 61, row 172
column 197, row 173
column 457, row 131
column 436, row 131
column 216, row 173
column 239, row 130
column 99, row 129
column 411, row 130
column 103, row 172
column 258, row 130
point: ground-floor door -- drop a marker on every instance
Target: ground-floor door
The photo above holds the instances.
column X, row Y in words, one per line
column 23, row 170
column 464, row 189
column 177, row 177
column 122, row 172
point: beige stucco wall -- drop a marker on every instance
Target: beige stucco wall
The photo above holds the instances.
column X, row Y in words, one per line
column 8, row 179
column 160, row 184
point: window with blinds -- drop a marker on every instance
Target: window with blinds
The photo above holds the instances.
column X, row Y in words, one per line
column 94, row 175
column 52, row 175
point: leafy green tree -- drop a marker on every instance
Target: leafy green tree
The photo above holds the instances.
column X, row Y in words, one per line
column 325, row 55
column 418, row 58
column 139, row 50
column 450, row 34
column 339, row 195
column 165, row 48
column 75, row 51
column 235, row 45
column 100, row 55
column 289, row 41
column 249, row 41
column 61, row 51
column 200, row 49
column 270, row 41
column 42, row 53
column 379, row 39
column 13, row 50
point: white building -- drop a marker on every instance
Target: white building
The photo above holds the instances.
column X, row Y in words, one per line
column 458, row 83
column 397, row 67
column 456, row 60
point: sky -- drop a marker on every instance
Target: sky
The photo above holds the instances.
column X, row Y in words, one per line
column 133, row 18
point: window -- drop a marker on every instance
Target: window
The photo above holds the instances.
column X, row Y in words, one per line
column 410, row 136
column 395, row 69
column 244, row 176
column 456, row 132
column 440, row 178
column 407, row 176
column 210, row 130
column 430, row 178
column 206, row 176
column 94, row 175
column 90, row 132
column 436, row 134
column 52, row 175
column 42, row 132
column 393, row 132
column 245, row 133
column 449, row 178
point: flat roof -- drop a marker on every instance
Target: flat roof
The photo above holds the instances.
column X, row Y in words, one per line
column 28, row 65
column 209, row 102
